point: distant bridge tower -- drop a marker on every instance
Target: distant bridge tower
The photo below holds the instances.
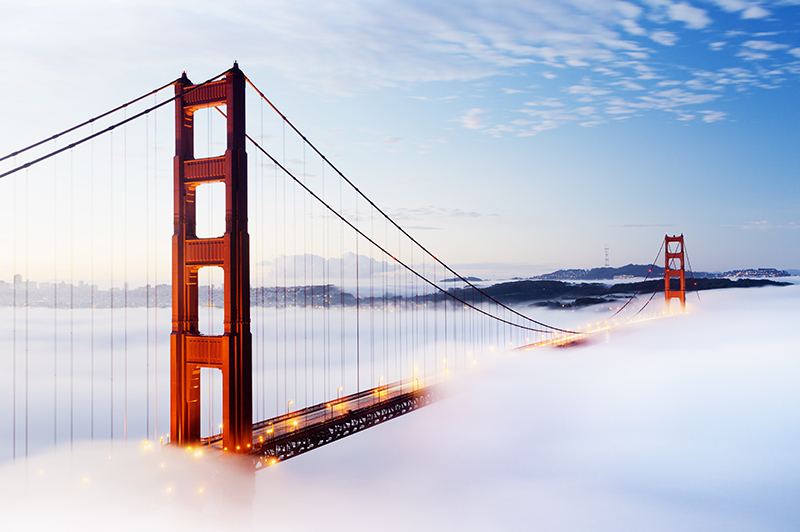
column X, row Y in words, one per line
column 673, row 268
column 232, row 351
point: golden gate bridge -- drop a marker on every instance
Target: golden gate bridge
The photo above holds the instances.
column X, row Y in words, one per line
column 328, row 318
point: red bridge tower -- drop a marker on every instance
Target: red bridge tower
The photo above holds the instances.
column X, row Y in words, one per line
column 232, row 351
column 673, row 267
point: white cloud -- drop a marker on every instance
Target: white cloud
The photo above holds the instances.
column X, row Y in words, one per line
column 768, row 46
column 693, row 17
column 667, row 38
column 755, row 12
column 587, row 88
column 362, row 45
column 713, row 116
column 427, row 99
column 750, row 55
column 766, row 224
column 433, row 212
column 627, row 85
column 749, row 10
column 606, row 71
column 472, row 119
column 628, row 10
column 632, row 27
column 500, row 129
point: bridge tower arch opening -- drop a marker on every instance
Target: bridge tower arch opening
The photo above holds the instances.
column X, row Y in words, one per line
column 231, row 351
column 674, row 272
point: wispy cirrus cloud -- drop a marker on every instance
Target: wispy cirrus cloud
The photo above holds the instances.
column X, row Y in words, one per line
column 641, row 226
column 473, row 119
column 433, row 212
column 352, row 47
column 766, row 224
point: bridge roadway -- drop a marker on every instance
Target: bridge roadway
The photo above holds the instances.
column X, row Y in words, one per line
column 294, row 433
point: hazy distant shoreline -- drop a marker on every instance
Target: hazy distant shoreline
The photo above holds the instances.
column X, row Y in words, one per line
column 550, row 293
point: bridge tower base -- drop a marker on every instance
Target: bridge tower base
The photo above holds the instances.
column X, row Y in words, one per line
column 231, row 352
column 673, row 268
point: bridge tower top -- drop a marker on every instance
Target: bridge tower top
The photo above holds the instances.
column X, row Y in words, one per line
column 231, row 352
column 674, row 269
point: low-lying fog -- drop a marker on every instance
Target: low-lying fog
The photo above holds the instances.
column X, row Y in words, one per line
column 690, row 422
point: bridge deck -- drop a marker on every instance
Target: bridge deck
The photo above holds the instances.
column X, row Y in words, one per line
column 291, row 434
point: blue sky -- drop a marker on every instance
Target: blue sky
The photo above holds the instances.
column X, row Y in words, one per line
column 522, row 133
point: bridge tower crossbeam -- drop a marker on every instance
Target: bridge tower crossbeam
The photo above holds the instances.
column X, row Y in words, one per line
column 231, row 352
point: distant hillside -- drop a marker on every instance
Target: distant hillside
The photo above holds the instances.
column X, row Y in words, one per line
column 457, row 280
column 640, row 270
column 556, row 293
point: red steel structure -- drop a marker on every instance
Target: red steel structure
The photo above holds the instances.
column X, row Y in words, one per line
column 231, row 352
column 674, row 268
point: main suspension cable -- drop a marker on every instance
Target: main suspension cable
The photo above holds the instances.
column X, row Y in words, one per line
column 111, row 127
column 691, row 272
column 639, row 288
column 406, row 234
column 398, row 261
column 90, row 121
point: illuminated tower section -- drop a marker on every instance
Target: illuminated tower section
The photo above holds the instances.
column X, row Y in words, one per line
column 231, row 353
column 673, row 268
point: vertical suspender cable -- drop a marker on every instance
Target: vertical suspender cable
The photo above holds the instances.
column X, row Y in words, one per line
column 259, row 330
column 14, row 327
column 27, row 306
column 155, row 269
column 263, row 210
column 305, row 288
column 147, row 269
column 277, row 311
column 325, row 294
column 341, row 294
column 91, row 282
column 372, row 299
column 294, row 283
column 435, row 329
column 71, row 298
column 425, row 327
column 285, row 298
column 261, row 230
column 125, row 266
column 256, row 211
column 111, row 289
column 412, row 317
column 55, row 299
column 313, row 305
column 358, row 316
